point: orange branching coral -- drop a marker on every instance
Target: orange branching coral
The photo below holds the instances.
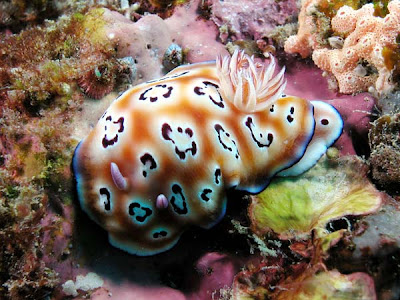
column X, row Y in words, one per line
column 360, row 64
column 306, row 39
column 355, row 43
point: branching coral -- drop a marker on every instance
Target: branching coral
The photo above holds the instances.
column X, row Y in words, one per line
column 314, row 20
column 360, row 64
column 357, row 46
column 312, row 26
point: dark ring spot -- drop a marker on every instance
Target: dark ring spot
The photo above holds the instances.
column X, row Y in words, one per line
column 204, row 195
column 107, row 203
column 217, row 175
column 139, row 218
column 272, row 108
column 159, row 234
column 219, row 129
column 148, row 158
column 324, row 122
column 270, row 137
column 177, row 190
column 109, row 142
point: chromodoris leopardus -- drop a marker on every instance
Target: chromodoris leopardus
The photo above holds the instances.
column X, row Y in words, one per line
column 165, row 152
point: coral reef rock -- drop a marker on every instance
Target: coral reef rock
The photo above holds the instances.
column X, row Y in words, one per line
column 197, row 36
column 240, row 20
column 384, row 139
column 146, row 41
column 272, row 281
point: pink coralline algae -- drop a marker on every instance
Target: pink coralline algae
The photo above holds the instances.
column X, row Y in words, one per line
column 217, row 271
column 253, row 19
column 197, row 36
column 150, row 39
column 145, row 41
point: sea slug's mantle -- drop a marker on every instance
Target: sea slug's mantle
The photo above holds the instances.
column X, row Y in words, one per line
column 164, row 153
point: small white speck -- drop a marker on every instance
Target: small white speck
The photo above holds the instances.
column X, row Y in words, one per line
column 336, row 42
column 111, row 35
column 135, row 6
column 360, row 71
column 85, row 283
column 124, row 4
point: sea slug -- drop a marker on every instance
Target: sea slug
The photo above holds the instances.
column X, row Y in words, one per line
column 163, row 155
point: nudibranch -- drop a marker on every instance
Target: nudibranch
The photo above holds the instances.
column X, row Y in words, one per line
column 165, row 152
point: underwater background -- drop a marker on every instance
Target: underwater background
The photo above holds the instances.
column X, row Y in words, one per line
column 332, row 232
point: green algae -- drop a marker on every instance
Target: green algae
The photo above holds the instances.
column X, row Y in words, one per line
column 313, row 285
column 11, row 192
column 380, row 8
column 391, row 58
column 293, row 207
column 330, row 7
column 276, row 206
column 331, row 285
